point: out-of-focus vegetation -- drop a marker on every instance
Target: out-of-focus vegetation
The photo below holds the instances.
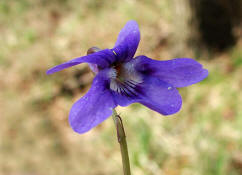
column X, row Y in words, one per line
column 205, row 137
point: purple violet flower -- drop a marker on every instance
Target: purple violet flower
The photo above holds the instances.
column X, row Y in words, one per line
column 121, row 80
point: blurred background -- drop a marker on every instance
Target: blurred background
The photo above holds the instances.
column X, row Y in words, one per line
column 205, row 137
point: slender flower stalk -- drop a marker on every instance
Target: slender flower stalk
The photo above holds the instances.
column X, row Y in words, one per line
column 122, row 141
column 118, row 125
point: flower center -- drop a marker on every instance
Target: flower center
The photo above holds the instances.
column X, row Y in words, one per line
column 125, row 80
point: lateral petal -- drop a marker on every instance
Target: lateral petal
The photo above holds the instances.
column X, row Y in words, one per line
column 179, row 72
column 94, row 107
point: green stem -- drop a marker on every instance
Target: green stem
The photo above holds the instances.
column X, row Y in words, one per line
column 122, row 141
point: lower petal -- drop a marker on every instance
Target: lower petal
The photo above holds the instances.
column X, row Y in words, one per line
column 123, row 100
column 153, row 93
column 160, row 96
column 94, row 107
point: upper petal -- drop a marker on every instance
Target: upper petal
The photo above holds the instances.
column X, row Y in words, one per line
column 128, row 41
column 179, row 72
column 102, row 59
column 94, row 107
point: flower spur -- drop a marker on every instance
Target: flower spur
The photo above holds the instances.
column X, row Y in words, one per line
column 122, row 80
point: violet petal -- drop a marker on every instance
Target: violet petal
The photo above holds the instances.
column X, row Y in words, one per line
column 179, row 72
column 155, row 94
column 122, row 99
column 103, row 59
column 94, row 107
column 160, row 96
column 127, row 42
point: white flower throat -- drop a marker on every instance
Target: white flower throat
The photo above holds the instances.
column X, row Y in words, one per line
column 124, row 79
